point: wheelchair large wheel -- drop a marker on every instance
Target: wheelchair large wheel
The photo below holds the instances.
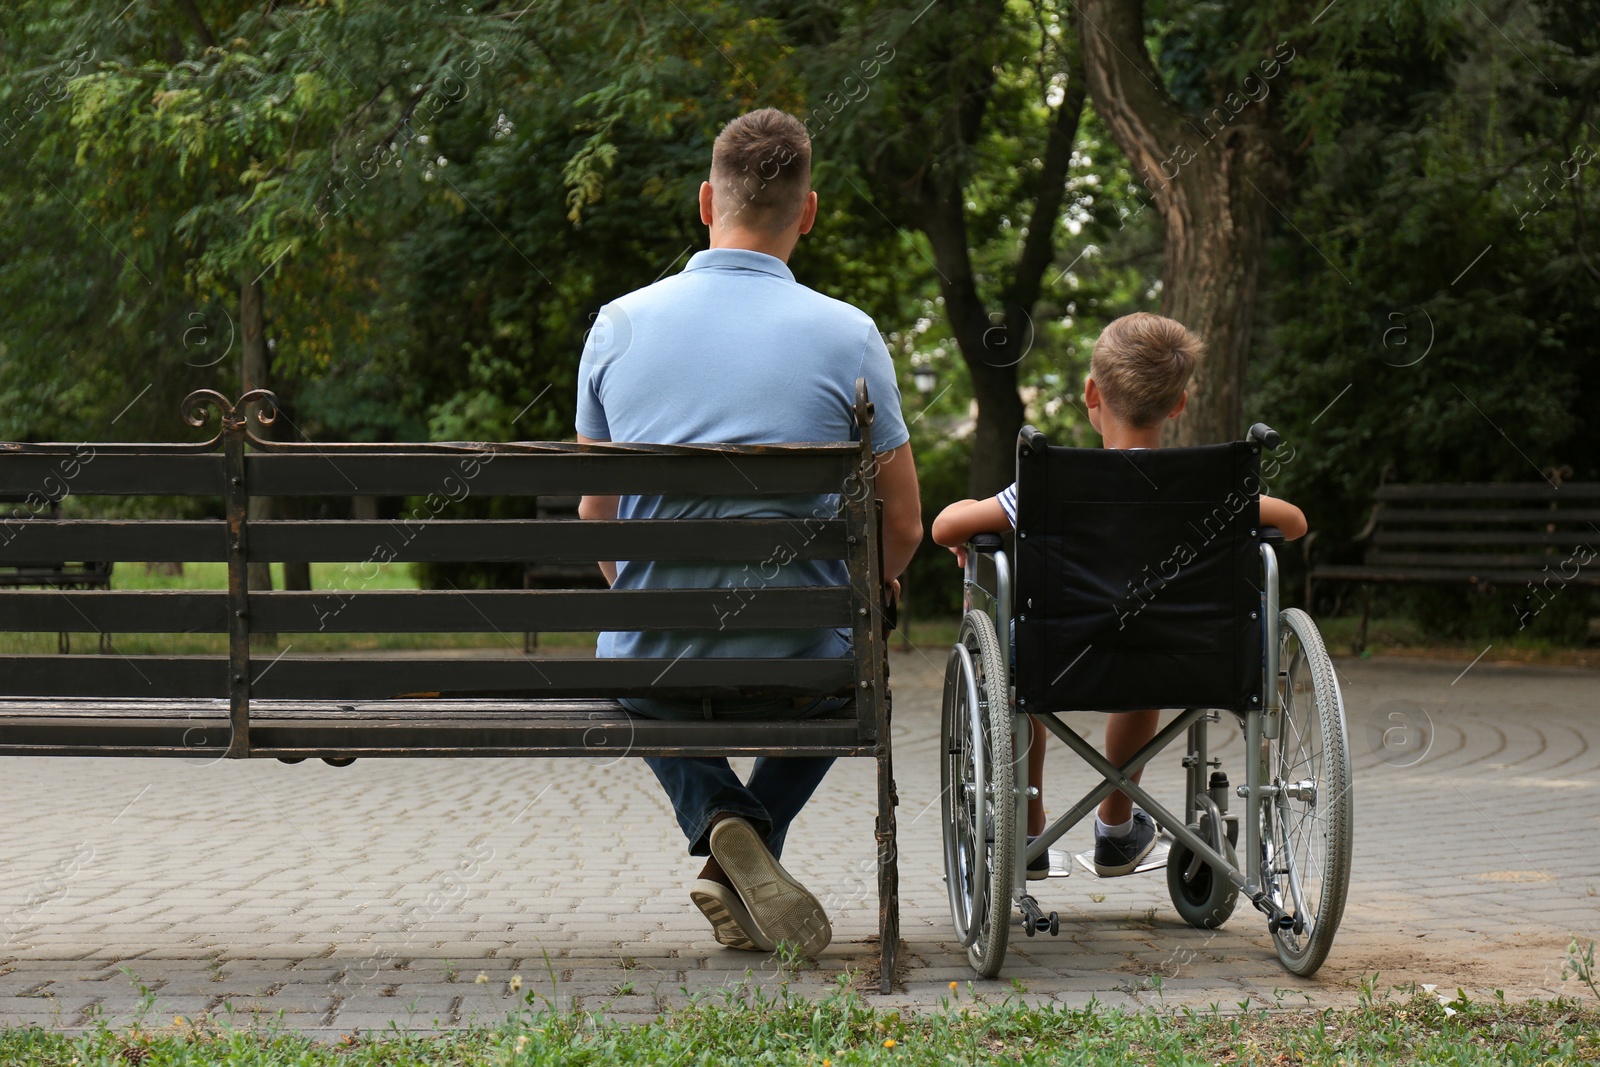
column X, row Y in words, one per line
column 978, row 795
column 1307, row 824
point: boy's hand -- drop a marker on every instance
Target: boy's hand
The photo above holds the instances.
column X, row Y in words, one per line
column 960, row 552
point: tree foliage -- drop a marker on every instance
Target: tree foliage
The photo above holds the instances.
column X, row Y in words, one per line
column 434, row 199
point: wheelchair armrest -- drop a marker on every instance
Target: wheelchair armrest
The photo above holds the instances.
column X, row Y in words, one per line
column 987, row 542
column 1271, row 535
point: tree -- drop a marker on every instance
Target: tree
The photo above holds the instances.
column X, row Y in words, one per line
column 1211, row 175
column 960, row 120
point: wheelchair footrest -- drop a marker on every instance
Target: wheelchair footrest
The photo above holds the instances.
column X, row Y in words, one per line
column 1157, row 860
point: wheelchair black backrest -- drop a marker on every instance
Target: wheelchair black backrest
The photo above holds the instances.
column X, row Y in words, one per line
column 1138, row 577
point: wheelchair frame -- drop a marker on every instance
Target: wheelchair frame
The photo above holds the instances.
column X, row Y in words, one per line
column 985, row 883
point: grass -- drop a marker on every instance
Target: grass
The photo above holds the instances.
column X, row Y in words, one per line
column 1400, row 1027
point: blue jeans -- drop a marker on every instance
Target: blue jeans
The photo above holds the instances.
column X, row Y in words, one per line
column 702, row 787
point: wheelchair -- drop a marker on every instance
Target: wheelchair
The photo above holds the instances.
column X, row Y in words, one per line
column 1144, row 579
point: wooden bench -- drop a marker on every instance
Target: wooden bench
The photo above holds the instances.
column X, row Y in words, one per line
column 338, row 707
column 16, row 510
column 1537, row 536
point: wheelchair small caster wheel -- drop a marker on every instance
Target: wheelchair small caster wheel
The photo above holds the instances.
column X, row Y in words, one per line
column 338, row 761
column 1207, row 900
column 291, row 759
column 1055, row 924
column 1028, row 927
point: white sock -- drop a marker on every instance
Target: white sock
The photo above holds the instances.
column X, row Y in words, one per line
column 1123, row 830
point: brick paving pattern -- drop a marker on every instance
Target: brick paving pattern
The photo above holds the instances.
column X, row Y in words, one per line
column 332, row 900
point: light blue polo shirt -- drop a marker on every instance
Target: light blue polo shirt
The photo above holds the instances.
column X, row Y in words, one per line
column 732, row 351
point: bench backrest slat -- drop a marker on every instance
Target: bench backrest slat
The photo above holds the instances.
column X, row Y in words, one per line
column 95, row 470
column 1559, row 540
column 432, row 610
column 362, row 678
column 712, row 473
column 1575, row 492
column 494, row 471
column 420, row 537
column 1470, row 560
column 1528, row 516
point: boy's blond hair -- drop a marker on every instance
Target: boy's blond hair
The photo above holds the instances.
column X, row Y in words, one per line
column 1142, row 363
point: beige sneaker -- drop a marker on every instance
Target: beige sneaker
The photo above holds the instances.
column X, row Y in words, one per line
column 730, row 920
column 780, row 908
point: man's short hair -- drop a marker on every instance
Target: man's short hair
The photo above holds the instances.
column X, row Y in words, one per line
column 761, row 170
column 1142, row 363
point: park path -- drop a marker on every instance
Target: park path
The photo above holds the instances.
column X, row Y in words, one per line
column 333, row 900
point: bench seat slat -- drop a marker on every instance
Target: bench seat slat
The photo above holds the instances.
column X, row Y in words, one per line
column 430, row 611
column 364, row 677
column 599, row 729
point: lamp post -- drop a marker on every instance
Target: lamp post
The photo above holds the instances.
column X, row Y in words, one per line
column 925, row 378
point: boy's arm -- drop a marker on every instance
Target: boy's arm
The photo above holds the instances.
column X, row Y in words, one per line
column 957, row 524
column 1284, row 515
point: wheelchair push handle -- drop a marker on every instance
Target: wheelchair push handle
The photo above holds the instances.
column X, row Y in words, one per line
column 1264, row 435
column 1031, row 440
column 987, row 542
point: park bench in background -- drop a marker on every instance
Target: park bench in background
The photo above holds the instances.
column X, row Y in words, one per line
column 1537, row 537
column 46, row 573
column 343, row 706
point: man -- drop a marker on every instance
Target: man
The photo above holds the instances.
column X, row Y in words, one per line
column 734, row 350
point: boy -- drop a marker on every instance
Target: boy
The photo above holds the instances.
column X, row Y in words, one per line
column 1138, row 379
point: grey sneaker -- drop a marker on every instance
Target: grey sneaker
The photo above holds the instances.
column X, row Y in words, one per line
column 730, row 920
column 1116, row 856
column 780, row 908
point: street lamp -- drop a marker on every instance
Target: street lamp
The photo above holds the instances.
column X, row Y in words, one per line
column 925, row 378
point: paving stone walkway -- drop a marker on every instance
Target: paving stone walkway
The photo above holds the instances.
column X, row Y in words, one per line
column 331, row 900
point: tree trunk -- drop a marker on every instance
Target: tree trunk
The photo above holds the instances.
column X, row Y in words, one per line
column 1210, row 283
column 992, row 345
column 1209, row 177
column 991, row 362
column 253, row 375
